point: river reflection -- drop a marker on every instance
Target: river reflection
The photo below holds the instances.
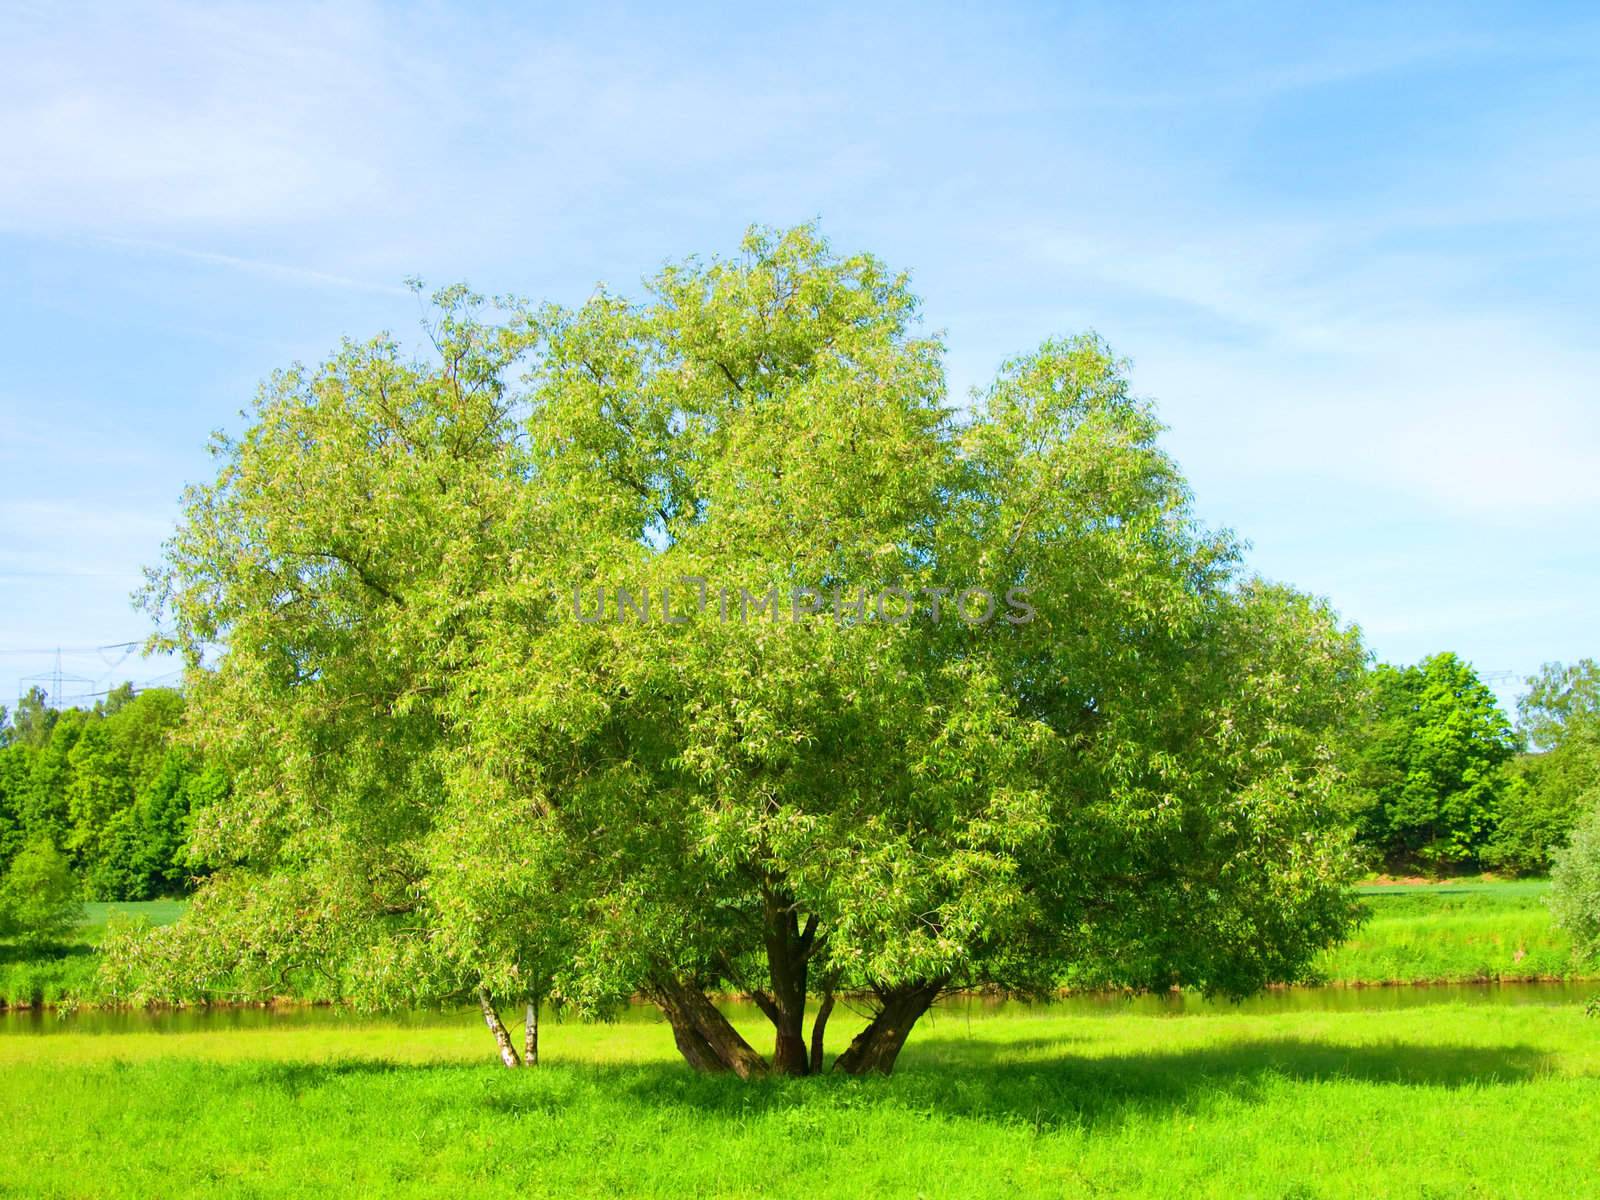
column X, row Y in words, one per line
column 963, row 1007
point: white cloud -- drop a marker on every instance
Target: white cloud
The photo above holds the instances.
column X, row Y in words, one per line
column 173, row 116
column 1305, row 349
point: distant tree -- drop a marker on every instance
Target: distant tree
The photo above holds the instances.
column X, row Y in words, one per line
column 39, row 898
column 1430, row 759
column 1575, row 890
column 129, row 797
column 46, row 804
column 1547, row 791
column 1544, row 795
column 108, row 788
column 143, row 848
column 443, row 785
column 1562, row 704
column 99, row 787
column 116, row 700
column 14, row 785
column 142, row 728
column 34, row 719
column 165, row 812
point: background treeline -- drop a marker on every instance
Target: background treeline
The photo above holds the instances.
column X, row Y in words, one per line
column 1441, row 780
column 96, row 804
column 102, row 795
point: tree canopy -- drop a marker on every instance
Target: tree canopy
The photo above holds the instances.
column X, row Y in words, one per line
column 700, row 643
column 1430, row 760
column 1550, row 789
column 107, row 788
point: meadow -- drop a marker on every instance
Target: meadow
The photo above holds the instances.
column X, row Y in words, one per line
column 1453, row 932
column 59, row 974
column 1441, row 1100
column 1314, row 1093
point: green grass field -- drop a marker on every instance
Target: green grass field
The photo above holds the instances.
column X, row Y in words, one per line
column 63, row 972
column 1430, row 1098
column 1445, row 1100
column 1454, row 932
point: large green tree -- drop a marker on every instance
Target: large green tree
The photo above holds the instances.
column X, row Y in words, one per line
column 1430, row 760
column 699, row 643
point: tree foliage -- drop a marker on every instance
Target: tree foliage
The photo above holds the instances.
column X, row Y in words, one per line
column 1429, row 761
column 1550, row 789
column 1575, row 890
column 1562, row 705
column 445, row 784
column 39, row 897
column 107, row 787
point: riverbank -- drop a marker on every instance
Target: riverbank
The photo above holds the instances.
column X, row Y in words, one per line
column 1458, row 931
column 65, row 973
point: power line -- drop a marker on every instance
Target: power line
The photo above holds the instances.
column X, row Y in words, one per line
column 65, row 689
column 76, row 649
column 65, row 575
column 55, row 678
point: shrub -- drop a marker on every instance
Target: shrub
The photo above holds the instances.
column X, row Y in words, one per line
column 1543, row 798
column 39, row 899
column 1575, row 897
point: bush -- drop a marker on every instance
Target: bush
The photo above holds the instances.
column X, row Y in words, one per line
column 1543, row 798
column 39, row 899
column 1575, row 897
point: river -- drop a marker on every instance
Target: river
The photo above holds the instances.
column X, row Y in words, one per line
column 1301, row 999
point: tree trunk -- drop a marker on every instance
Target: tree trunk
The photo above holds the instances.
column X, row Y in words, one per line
column 877, row 1046
column 788, row 955
column 530, row 1033
column 819, row 1028
column 704, row 1036
column 502, row 1039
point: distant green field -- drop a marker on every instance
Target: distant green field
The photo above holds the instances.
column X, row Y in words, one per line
column 68, row 970
column 1456, row 931
column 1443, row 1100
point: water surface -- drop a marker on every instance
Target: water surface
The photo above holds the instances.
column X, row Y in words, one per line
column 963, row 1007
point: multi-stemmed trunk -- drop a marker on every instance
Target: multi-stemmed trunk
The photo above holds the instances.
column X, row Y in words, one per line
column 877, row 1046
column 706, row 1039
column 789, row 949
column 709, row 1043
column 502, row 1035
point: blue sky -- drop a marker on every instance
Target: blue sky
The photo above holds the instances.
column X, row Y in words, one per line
column 1352, row 253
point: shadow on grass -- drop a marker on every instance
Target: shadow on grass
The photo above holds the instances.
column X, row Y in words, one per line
column 985, row 1083
column 1050, row 1088
column 298, row 1077
column 45, row 952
